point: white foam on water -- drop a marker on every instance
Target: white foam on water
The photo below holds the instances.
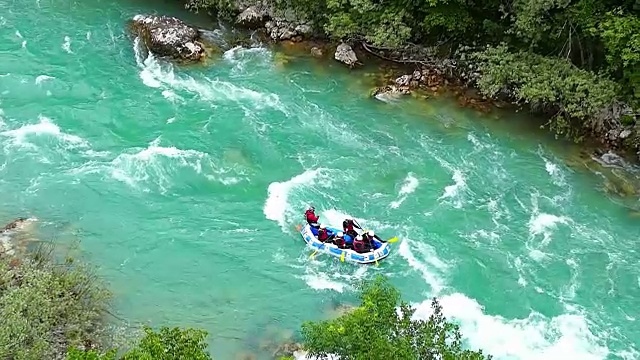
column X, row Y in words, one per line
column 519, row 268
column 277, row 206
column 322, row 281
column 148, row 164
column 241, row 58
column 157, row 75
column 42, row 78
column 171, row 120
column 544, row 224
column 410, row 185
column 88, row 35
column 455, row 191
column 536, row 337
column 334, row 218
column 18, row 34
column 45, row 127
column 66, row 46
column 425, row 267
column 554, row 171
column 172, row 96
column 477, row 144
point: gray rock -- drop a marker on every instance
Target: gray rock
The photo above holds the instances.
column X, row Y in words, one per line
column 169, row 36
column 345, row 54
column 253, row 17
column 303, row 30
column 417, row 76
column 404, row 80
column 624, row 134
column 286, row 34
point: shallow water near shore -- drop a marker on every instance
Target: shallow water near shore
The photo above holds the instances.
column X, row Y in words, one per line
column 185, row 185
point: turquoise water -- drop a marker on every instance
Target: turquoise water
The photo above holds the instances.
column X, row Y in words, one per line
column 185, row 185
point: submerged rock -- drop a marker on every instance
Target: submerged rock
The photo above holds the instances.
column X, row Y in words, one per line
column 389, row 93
column 169, row 37
column 316, row 52
column 345, row 54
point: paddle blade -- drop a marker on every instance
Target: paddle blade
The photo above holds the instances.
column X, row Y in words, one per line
column 314, row 254
column 298, row 227
column 393, row 239
column 342, row 256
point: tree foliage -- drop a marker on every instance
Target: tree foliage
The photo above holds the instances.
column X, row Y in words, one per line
column 382, row 328
column 166, row 344
column 47, row 305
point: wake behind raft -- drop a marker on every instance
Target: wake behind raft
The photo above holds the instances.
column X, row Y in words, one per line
column 310, row 236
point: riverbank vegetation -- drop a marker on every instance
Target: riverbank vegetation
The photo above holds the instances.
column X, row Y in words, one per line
column 54, row 307
column 382, row 327
column 576, row 61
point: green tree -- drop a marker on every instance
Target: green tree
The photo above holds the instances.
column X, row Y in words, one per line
column 167, row 344
column 170, row 344
column 378, row 330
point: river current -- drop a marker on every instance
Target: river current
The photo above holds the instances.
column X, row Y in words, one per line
column 184, row 186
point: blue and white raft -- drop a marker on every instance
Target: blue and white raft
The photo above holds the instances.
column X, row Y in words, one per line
column 381, row 251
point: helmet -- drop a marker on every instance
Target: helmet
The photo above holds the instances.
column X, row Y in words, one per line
column 359, row 237
column 322, row 226
column 312, row 208
column 340, row 234
column 370, row 233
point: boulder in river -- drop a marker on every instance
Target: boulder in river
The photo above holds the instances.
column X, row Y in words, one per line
column 389, row 93
column 345, row 54
column 169, row 36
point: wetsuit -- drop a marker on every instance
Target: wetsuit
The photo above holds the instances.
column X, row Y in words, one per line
column 339, row 241
column 312, row 218
column 359, row 246
column 348, row 228
column 323, row 235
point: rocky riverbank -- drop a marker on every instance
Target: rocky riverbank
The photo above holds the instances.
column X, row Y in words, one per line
column 407, row 69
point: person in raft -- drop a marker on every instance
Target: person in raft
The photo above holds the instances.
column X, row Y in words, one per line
column 359, row 245
column 323, row 234
column 348, row 227
column 339, row 240
column 312, row 218
column 368, row 238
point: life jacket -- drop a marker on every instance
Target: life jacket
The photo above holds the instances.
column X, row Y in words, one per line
column 323, row 235
column 358, row 245
column 311, row 216
column 339, row 241
column 347, row 225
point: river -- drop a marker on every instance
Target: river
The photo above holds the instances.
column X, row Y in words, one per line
column 184, row 186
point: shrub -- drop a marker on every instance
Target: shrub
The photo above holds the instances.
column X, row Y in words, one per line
column 378, row 330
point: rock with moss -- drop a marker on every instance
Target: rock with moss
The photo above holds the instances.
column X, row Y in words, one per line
column 170, row 37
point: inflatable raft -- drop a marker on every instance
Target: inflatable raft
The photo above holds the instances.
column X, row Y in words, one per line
column 381, row 251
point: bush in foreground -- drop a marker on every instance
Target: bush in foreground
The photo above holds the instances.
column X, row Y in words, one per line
column 167, row 344
column 47, row 306
column 378, row 330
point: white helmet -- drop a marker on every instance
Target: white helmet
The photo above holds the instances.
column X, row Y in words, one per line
column 359, row 237
column 370, row 233
column 322, row 226
column 340, row 234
